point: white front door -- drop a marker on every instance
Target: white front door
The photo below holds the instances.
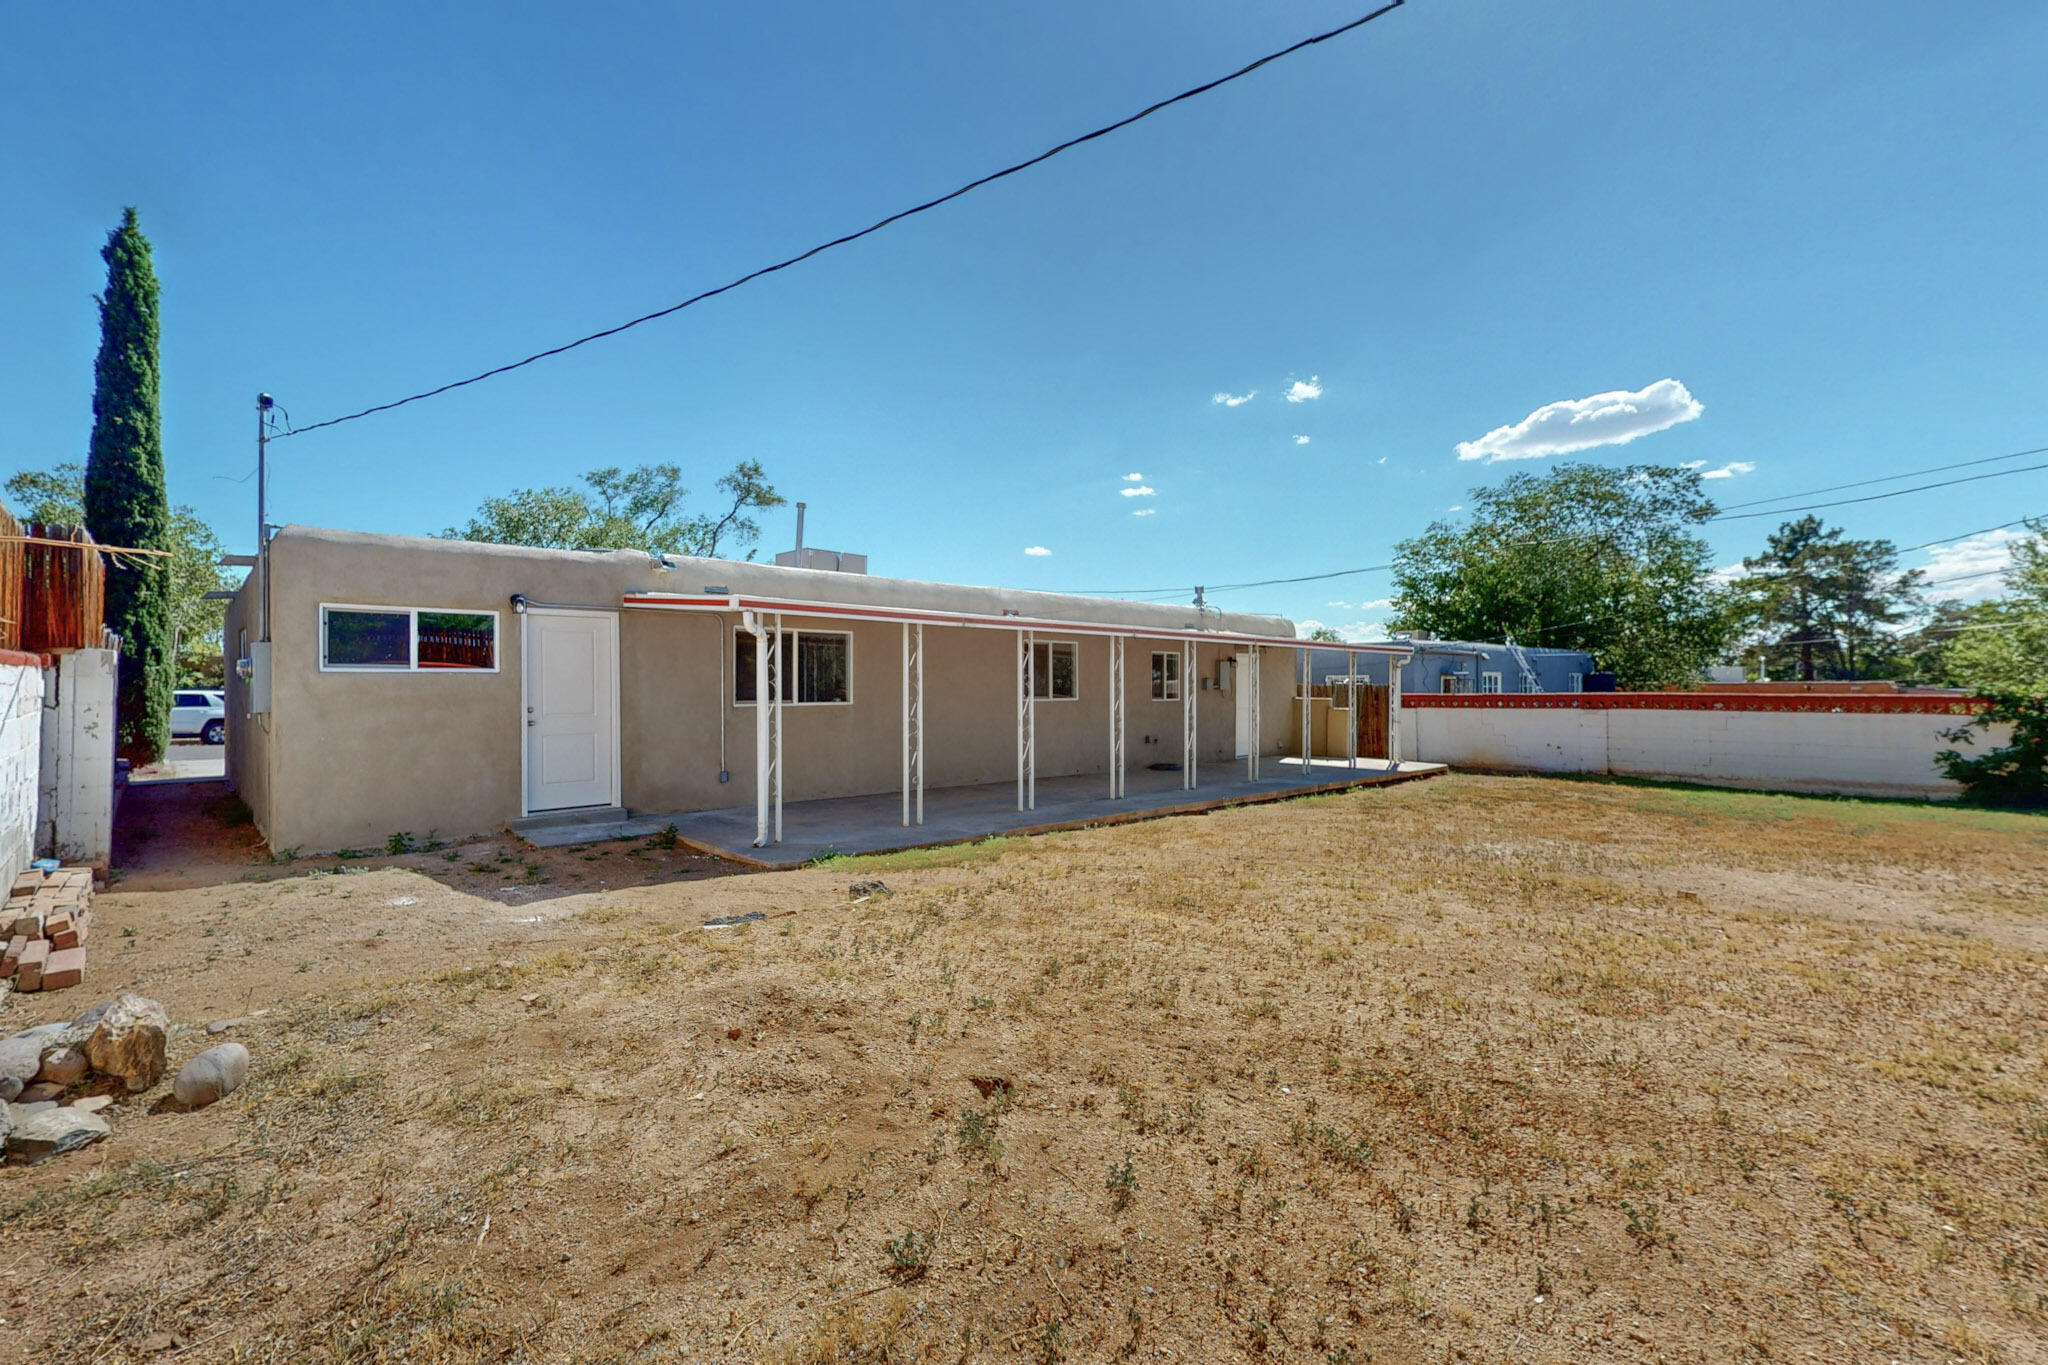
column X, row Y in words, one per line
column 1240, row 667
column 572, row 709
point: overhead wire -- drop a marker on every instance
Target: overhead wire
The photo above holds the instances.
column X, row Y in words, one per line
column 872, row 228
column 1887, row 478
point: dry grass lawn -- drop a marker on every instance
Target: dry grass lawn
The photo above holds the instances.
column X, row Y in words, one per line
column 1470, row 1069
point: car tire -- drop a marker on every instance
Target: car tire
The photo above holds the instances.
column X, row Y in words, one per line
column 216, row 732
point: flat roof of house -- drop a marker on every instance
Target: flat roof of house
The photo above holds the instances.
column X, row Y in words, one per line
column 688, row 579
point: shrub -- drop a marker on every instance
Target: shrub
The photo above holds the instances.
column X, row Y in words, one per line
column 2015, row 775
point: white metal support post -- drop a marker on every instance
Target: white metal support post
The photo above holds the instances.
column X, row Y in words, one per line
column 1393, row 712
column 1027, row 725
column 1250, row 682
column 1350, row 707
column 767, row 730
column 1306, row 711
column 913, row 723
column 1116, row 717
column 1188, row 777
column 776, row 668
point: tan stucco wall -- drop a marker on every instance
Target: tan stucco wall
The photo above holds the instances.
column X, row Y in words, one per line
column 346, row 759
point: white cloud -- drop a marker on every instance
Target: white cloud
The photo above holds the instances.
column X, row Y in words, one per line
column 1985, row 555
column 1351, row 630
column 1694, row 464
column 1727, row 471
column 1146, row 512
column 1377, row 604
column 1036, row 550
column 1605, row 419
column 1455, row 507
column 1234, row 400
column 1141, row 491
column 1301, row 440
column 1381, row 460
column 1727, row 574
column 1302, row 390
column 1134, row 478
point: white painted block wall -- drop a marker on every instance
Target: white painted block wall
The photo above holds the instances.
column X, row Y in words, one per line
column 75, row 805
column 21, row 737
column 1850, row 753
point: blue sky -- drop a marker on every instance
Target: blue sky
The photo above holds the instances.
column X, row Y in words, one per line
column 1822, row 222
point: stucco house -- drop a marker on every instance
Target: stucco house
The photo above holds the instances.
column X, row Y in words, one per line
column 382, row 684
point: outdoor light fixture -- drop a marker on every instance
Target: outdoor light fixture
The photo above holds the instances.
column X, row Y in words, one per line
column 519, row 603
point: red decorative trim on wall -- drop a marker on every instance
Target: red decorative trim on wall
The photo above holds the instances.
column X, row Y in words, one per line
column 15, row 658
column 1902, row 703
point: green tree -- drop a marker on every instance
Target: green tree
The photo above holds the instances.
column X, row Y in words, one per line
column 1999, row 650
column 640, row 509
column 1324, row 635
column 2002, row 646
column 1580, row 557
column 124, row 491
column 1825, row 606
column 57, row 496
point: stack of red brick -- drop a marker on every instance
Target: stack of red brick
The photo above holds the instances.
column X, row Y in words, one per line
column 47, row 918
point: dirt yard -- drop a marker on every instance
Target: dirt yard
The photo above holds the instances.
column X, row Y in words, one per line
column 1469, row 1069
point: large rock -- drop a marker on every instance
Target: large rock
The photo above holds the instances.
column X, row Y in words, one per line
column 213, row 1073
column 128, row 1040
column 40, row 1132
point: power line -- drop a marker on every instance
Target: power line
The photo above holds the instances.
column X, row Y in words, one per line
column 1876, row 497
column 1926, row 544
column 1887, row 478
column 898, row 217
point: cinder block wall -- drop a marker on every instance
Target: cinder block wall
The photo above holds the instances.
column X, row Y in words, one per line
column 21, row 739
column 1846, row 753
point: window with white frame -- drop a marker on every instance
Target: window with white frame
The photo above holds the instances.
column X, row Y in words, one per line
column 1531, row 683
column 1452, row 683
column 1575, row 682
column 1166, row 676
column 407, row 640
column 1489, row 682
column 1055, row 670
column 816, row 667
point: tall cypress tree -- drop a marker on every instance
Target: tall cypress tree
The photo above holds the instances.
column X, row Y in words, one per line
column 124, row 490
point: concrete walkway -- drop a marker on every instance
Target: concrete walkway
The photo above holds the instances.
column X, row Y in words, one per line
column 874, row 824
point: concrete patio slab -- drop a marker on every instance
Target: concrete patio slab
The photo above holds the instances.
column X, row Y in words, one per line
column 952, row 815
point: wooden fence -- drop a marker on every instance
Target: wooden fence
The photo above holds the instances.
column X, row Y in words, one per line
column 52, row 595
column 1371, row 717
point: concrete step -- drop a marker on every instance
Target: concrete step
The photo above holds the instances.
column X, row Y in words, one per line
column 591, row 826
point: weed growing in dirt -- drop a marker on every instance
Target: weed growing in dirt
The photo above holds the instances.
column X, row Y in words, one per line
column 910, row 1256
column 1122, row 1184
column 400, row 842
column 978, row 1135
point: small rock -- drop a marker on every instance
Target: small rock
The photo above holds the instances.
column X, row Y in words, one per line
column 62, row 1066
column 51, row 1131
column 220, row 1026
column 530, row 1000
column 92, row 1104
column 40, row 1091
column 10, row 1087
column 876, row 887
column 128, row 1040
column 213, row 1073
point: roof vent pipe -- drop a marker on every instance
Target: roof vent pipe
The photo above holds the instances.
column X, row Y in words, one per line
column 799, row 533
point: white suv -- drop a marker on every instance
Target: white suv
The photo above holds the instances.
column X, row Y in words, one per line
column 199, row 715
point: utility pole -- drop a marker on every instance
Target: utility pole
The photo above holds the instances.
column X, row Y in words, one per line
column 264, row 403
